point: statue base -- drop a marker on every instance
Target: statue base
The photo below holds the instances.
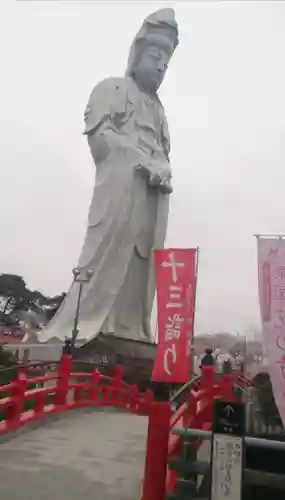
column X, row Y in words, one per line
column 135, row 357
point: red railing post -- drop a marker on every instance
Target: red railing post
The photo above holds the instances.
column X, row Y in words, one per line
column 227, row 384
column 134, row 398
column 148, row 401
column 92, row 392
column 40, row 404
column 190, row 413
column 77, row 394
column 145, row 403
column 64, row 370
column 207, row 377
column 154, row 484
column 18, row 405
column 117, row 384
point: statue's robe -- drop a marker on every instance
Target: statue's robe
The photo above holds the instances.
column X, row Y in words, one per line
column 127, row 217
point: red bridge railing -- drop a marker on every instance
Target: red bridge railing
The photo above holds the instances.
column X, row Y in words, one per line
column 62, row 390
column 195, row 411
column 21, row 402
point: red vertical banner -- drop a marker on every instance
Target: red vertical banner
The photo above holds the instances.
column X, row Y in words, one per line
column 175, row 272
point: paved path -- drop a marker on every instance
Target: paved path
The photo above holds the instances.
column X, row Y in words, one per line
column 89, row 456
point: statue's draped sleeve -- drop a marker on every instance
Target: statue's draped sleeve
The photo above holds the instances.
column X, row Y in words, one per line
column 165, row 139
column 107, row 103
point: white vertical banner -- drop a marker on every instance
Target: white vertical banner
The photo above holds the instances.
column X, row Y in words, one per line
column 271, row 284
column 227, row 450
column 227, row 467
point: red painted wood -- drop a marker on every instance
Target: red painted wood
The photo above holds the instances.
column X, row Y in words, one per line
column 156, row 452
column 209, row 387
column 66, row 390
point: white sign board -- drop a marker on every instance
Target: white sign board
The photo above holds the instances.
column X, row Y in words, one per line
column 227, row 465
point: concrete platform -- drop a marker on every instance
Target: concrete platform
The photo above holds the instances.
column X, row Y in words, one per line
column 97, row 455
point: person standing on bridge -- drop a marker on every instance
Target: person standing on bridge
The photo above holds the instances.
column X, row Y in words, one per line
column 208, row 358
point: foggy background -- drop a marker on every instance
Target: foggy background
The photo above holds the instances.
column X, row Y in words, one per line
column 224, row 100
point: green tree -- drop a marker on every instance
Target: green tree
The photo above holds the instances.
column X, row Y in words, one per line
column 14, row 293
column 266, row 401
column 17, row 297
column 49, row 305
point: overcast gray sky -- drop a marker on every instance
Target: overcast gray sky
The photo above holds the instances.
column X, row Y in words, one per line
column 224, row 99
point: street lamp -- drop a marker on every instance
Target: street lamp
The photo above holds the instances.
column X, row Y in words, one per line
column 80, row 276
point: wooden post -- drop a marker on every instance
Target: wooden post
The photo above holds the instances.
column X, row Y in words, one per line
column 117, row 384
column 134, row 398
column 40, row 404
column 18, row 394
column 208, row 376
column 93, row 389
column 154, row 485
column 227, row 386
column 64, row 370
column 192, row 333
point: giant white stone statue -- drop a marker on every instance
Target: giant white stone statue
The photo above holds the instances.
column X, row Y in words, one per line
column 128, row 137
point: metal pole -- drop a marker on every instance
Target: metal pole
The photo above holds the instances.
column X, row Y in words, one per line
column 275, row 236
column 76, row 317
column 252, row 441
column 189, row 449
column 192, row 357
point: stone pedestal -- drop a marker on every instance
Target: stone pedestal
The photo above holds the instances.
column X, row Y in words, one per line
column 135, row 357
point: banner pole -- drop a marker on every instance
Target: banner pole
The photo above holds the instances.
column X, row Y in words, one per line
column 189, row 452
column 192, row 357
column 268, row 236
column 192, row 335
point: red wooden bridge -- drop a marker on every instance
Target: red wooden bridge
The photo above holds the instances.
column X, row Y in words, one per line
column 132, row 424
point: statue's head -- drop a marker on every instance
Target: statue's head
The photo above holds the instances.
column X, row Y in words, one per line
column 152, row 49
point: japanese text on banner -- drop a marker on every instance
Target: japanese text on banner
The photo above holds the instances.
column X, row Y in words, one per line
column 271, row 275
column 175, row 283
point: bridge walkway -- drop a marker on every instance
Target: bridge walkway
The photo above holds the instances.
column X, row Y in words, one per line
column 95, row 455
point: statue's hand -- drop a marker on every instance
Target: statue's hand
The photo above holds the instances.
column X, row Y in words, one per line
column 143, row 170
column 165, row 186
column 153, row 177
column 154, row 180
column 156, row 177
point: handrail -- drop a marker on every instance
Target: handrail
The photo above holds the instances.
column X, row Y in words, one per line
column 32, row 364
column 249, row 440
column 184, row 388
column 242, row 389
column 196, row 378
column 21, row 403
column 24, row 366
column 196, row 410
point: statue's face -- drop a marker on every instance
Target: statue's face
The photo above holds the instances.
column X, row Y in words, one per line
column 152, row 66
